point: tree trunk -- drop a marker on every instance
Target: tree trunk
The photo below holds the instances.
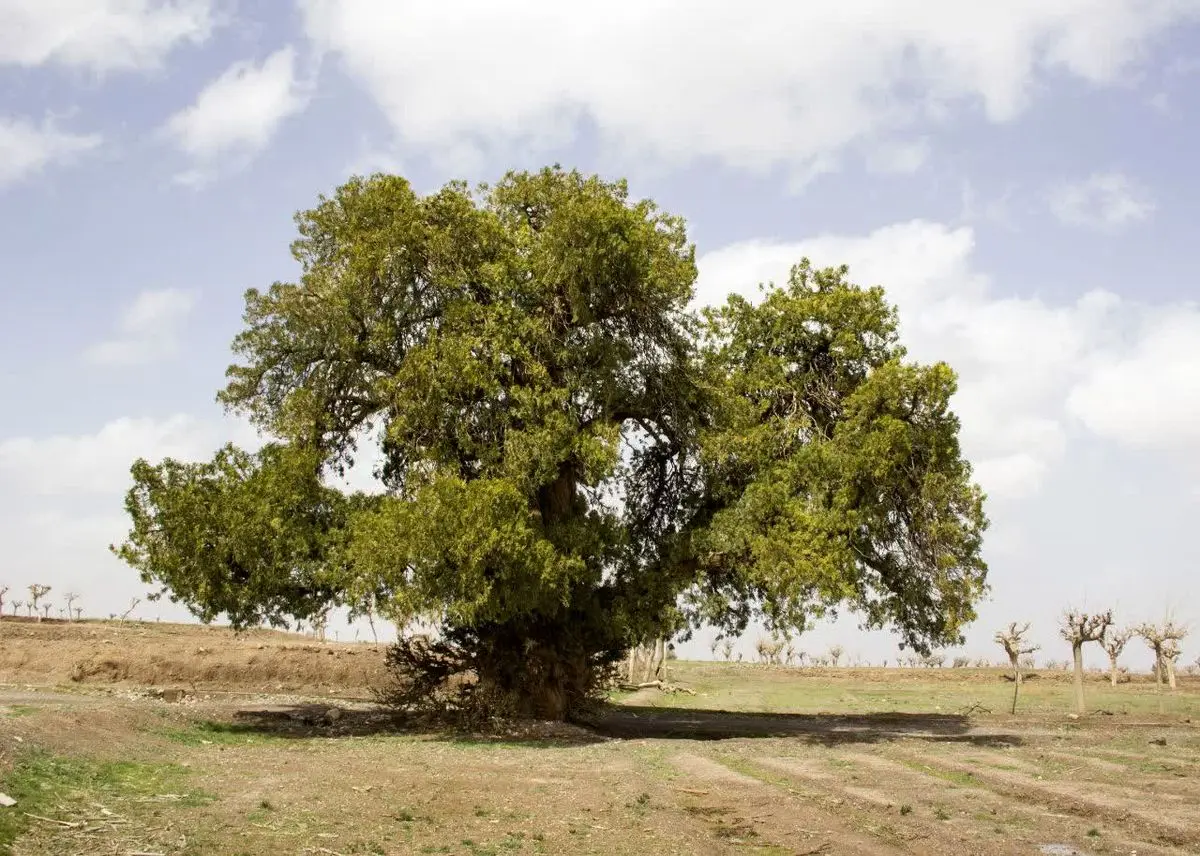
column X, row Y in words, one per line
column 1112, row 669
column 1158, row 669
column 1016, row 667
column 1170, row 664
column 1077, row 652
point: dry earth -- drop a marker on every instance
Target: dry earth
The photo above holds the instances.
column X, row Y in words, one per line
column 116, row 772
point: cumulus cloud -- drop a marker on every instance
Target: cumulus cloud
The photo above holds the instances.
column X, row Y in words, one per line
column 1028, row 369
column 100, row 35
column 74, row 465
column 27, row 148
column 796, row 84
column 1147, row 394
column 60, row 500
column 1104, row 200
column 240, row 111
column 147, row 330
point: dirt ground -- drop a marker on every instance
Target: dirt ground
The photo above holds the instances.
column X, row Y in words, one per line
column 149, row 654
column 759, row 761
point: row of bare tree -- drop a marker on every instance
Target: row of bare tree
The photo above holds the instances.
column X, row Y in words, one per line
column 37, row 606
column 1079, row 628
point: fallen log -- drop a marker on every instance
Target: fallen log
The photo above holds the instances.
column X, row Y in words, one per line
column 660, row 685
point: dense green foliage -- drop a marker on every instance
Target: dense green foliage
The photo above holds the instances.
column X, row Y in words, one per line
column 573, row 460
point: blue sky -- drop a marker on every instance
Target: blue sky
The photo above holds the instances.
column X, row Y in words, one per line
column 1021, row 179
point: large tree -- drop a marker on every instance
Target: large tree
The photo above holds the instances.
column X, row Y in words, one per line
column 574, row 461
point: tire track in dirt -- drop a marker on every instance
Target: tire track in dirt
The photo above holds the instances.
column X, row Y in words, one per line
column 929, row 831
column 1120, row 807
column 1178, row 781
column 747, row 809
column 1034, row 825
column 874, row 805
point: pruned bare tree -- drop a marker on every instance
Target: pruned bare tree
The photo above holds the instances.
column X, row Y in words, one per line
column 727, row 649
column 78, row 613
column 1163, row 638
column 36, row 592
column 133, row 604
column 70, row 597
column 3, row 592
column 1012, row 640
column 835, row 654
column 1079, row 628
column 1114, row 643
column 319, row 623
column 769, row 650
column 46, row 607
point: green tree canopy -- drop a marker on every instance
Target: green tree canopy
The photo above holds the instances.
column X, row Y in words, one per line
column 573, row 459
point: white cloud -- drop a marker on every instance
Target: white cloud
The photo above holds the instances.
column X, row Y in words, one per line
column 239, row 111
column 100, row 35
column 1148, row 394
column 60, row 501
column 147, row 330
column 26, row 148
column 75, row 465
column 1104, row 200
column 1020, row 360
column 780, row 84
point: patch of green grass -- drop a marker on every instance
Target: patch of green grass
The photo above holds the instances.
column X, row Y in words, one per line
column 220, row 733
column 56, row 787
column 748, row 687
column 15, row 710
column 1093, row 832
column 906, row 809
column 965, row 780
column 655, row 760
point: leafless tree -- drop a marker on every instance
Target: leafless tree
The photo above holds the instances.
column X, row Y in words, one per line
column 319, row 623
column 17, row 604
column 932, row 660
column 36, row 592
column 46, row 607
column 835, row 654
column 1114, row 643
column 3, row 592
column 78, row 613
column 1012, row 640
column 769, row 650
column 70, row 597
column 1163, row 638
column 133, row 604
column 1079, row 628
column 727, row 649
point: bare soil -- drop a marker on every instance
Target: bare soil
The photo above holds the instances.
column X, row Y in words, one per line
column 150, row 654
column 273, row 773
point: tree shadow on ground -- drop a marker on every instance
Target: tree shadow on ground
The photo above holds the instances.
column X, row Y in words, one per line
column 623, row 722
column 629, row 721
column 308, row 721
